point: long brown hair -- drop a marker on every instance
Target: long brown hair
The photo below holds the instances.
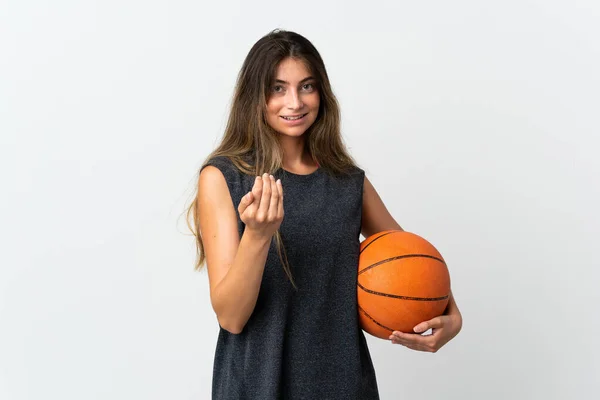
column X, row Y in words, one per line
column 249, row 137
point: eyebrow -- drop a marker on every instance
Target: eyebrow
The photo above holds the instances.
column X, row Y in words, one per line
column 301, row 82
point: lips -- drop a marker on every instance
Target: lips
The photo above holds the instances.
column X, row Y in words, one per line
column 293, row 117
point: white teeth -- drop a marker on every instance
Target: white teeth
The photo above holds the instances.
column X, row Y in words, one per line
column 293, row 118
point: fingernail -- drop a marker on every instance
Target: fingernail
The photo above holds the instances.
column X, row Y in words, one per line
column 279, row 181
column 257, row 178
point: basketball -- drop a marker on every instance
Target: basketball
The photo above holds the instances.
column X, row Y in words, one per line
column 402, row 281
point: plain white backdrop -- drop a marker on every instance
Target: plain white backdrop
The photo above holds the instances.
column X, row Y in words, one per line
column 477, row 122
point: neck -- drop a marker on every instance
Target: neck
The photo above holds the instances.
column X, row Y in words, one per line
column 294, row 155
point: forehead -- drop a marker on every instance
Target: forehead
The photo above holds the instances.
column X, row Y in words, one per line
column 292, row 70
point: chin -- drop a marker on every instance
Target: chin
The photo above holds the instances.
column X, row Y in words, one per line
column 293, row 132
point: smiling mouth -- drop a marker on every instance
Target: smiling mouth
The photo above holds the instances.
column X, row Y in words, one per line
column 295, row 118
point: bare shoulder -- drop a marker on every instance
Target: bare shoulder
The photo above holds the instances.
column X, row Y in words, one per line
column 211, row 177
column 218, row 223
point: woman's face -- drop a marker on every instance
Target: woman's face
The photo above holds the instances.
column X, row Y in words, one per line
column 293, row 102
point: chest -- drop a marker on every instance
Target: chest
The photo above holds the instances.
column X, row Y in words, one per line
column 321, row 218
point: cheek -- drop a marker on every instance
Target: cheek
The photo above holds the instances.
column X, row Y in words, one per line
column 271, row 108
column 272, row 111
column 315, row 102
column 271, row 114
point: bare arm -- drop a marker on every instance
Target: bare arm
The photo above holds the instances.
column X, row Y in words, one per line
column 376, row 218
column 375, row 215
column 235, row 266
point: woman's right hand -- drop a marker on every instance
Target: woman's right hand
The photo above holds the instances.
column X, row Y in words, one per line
column 262, row 208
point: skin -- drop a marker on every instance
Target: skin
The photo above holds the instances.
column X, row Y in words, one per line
column 292, row 93
column 376, row 218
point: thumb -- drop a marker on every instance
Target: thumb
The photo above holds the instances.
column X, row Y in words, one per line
column 424, row 326
column 245, row 202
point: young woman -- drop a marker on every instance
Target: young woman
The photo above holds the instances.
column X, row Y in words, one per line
column 277, row 218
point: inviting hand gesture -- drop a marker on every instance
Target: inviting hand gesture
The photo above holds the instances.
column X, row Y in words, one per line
column 261, row 209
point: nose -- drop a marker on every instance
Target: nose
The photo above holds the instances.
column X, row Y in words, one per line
column 294, row 102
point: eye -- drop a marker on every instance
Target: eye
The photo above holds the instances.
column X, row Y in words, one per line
column 277, row 89
column 308, row 87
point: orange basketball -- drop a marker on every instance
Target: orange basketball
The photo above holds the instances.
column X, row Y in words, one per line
column 402, row 281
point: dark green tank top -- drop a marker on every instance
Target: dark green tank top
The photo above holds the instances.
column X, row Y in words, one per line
column 304, row 343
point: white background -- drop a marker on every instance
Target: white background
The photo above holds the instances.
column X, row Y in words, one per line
column 476, row 121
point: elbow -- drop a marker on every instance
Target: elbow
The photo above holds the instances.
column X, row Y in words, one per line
column 232, row 327
column 230, row 320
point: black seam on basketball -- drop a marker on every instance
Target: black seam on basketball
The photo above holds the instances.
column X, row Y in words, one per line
column 376, row 239
column 395, row 296
column 398, row 258
column 373, row 319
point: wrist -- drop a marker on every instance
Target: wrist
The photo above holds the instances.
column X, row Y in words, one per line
column 257, row 237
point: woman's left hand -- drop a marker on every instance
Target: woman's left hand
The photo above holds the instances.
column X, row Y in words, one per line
column 444, row 328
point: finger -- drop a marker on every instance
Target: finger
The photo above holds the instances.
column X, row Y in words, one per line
column 405, row 344
column 257, row 190
column 280, row 190
column 274, row 206
column 436, row 322
column 265, row 200
column 397, row 340
column 420, row 348
column 413, row 346
column 422, row 327
column 245, row 202
column 401, row 339
column 414, row 339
